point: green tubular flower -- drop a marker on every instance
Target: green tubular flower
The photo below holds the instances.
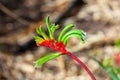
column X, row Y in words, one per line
column 42, row 33
column 46, row 58
column 67, row 28
column 78, row 33
column 49, row 27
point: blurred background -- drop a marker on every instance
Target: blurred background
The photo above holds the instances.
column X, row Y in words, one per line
column 100, row 19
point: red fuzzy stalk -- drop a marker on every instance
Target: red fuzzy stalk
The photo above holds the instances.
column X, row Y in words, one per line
column 60, row 46
column 81, row 64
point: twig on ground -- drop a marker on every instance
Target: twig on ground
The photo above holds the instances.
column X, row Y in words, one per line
column 13, row 15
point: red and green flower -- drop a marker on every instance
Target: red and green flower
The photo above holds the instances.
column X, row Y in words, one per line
column 59, row 44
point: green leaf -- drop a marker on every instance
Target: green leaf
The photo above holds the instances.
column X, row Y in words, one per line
column 108, row 70
column 38, row 39
column 78, row 33
column 67, row 28
column 42, row 33
column 49, row 27
column 117, row 43
column 107, row 62
column 116, row 70
column 43, row 60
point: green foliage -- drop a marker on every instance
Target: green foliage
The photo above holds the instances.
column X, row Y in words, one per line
column 117, row 43
column 116, row 70
column 108, row 68
column 107, row 62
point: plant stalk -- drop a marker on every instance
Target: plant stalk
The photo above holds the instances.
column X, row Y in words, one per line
column 82, row 65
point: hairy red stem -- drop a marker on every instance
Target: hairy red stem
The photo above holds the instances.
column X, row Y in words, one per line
column 81, row 64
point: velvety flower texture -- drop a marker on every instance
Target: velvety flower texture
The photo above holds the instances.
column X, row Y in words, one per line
column 57, row 46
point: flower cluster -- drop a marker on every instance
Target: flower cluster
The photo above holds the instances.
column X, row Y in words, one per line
column 59, row 44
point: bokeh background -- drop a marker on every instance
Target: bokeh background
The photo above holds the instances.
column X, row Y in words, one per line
column 100, row 19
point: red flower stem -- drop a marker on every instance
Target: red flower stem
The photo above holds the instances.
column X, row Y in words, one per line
column 81, row 64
